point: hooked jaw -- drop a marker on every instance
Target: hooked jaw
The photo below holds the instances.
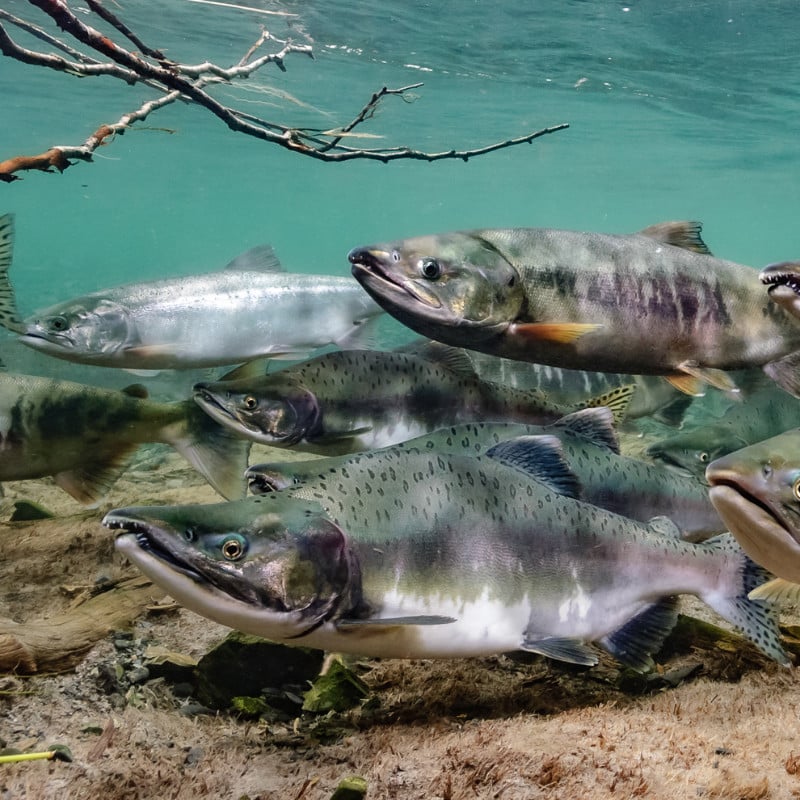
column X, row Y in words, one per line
column 141, row 543
column 370, row 269
column 783, row 284
column 759, row 527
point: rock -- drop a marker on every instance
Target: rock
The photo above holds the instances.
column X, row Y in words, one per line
column 175, row 667
column 138, row 675
column 242, row 665
column 249, row 707
column 352, row 788
column 337, row 690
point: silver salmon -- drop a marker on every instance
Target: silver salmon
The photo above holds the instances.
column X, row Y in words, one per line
column 414, row 554
column 250, row 309
column 84, row 436
column 656, row 302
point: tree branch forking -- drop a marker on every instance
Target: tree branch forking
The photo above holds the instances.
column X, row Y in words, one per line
column 174, row 81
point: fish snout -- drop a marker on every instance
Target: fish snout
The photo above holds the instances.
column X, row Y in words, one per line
column 368, row 257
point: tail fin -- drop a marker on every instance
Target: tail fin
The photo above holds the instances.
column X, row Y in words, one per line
column 618, row 400
column 213, row 450
column 755, row 619
column 9, row 317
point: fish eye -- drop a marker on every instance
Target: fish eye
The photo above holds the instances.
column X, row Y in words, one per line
column 233, row 547
column 430, row 268
column 796, row 489
column 190, row 535
column 703, row 456
column 57, row 323
column 395, row 256
column 250, row 402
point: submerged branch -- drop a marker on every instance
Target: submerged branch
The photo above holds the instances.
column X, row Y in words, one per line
column 174, row 81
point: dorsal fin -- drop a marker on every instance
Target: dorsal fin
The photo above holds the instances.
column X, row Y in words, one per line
column 684, row 234
column 257, row 259
column 9, row 316
column 257, row 368
column 596, row 425
column 454, row 358
column 541, row 457
column 136, row 390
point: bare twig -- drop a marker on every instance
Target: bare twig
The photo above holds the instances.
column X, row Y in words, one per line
column 187, row 82
column 111, row 19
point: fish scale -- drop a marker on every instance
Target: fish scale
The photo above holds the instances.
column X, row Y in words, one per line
column 474, row 558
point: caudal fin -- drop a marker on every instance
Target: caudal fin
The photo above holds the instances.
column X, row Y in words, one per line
column 213, row 450
column 755, row 619
column 9, row 317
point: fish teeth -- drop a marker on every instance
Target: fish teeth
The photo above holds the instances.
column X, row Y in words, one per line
column 783, row 279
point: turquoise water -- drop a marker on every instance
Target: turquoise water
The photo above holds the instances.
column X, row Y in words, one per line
column 676, row 110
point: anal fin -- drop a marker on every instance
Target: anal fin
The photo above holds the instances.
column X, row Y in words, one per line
column 91, row 481
column 635, row 642
column 561, row 648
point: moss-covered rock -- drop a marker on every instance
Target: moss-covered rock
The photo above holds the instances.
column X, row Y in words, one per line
column 337, row 690
column 352, row 788
column 249, row 707
column 243, row 665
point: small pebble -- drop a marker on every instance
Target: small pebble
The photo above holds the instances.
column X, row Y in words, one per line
column 138, row 675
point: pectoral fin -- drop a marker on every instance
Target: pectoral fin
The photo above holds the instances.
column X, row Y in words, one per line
column 329, row 437
column 572, row 651
column 786, row 373
column 345, row 624
column 558, row 332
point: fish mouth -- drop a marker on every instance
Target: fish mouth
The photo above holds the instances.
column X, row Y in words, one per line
column 147, row 540
column 671, row 462
column 760, row 531
column 214, row 408
column 731, row 484
column 368, row 269
column 785, row 274
column 43, row 341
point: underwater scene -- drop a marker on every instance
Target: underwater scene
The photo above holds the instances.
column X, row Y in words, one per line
column 399, row 400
